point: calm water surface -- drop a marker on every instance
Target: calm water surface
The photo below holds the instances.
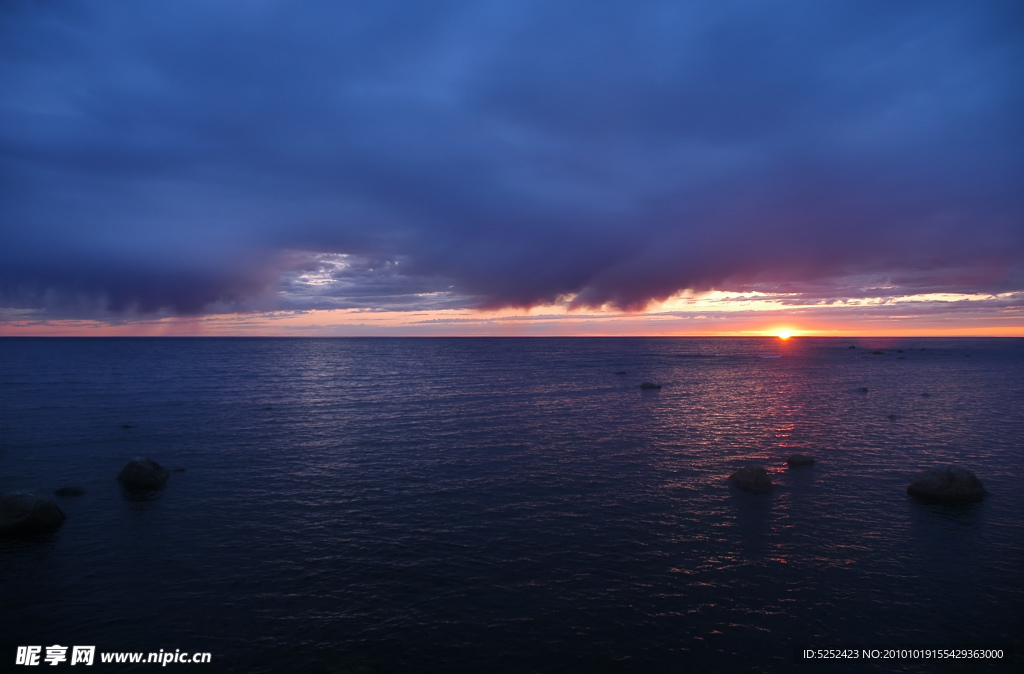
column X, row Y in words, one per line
column 463, row 505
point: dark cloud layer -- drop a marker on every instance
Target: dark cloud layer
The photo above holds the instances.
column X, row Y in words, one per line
column 191, row 156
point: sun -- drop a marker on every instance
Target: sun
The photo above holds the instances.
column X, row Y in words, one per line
column 784, row 334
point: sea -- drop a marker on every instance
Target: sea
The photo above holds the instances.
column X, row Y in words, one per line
column 457, row 505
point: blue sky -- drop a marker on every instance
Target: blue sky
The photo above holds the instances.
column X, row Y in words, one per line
column 194, row 159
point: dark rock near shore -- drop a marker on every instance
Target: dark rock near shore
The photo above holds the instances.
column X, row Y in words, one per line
column 947, row 484
column 863, row 389
column 143, row 475
column 28, row 514
column 798, row 460
column 753, row 479
column 648, row 385
column 851, row 347
column 878, row 353
column 69, row 491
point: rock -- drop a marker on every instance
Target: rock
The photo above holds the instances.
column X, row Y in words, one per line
column 143, row 475
column 851, row 347
column 648, row 385
column 863, row 389
column 753, row 479
column 28, row 514
column 947, row 484
column 621, row 372
column 127, row 426
column 69, row 491
column 878, row 353
column 797, row 460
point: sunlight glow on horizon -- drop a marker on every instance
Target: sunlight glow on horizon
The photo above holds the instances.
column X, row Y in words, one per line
column 688, row 313
column 538, row 321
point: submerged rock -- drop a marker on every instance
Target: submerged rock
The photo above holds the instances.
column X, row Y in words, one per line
column 797, row 460
column 863, row 389
column 69, row 491
column 947, row 484
column 648, row 385
column 143, row 475
column 28, row 514
column 753, row 479
column 621, row 372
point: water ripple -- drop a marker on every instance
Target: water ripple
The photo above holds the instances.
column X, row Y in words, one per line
column 511, row 505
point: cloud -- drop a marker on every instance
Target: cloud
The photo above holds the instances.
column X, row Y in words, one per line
column 340, row 281
column 172, row 158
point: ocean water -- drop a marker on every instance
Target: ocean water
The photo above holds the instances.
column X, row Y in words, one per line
column 513, row 505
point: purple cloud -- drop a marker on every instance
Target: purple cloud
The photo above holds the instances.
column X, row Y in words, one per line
column 174, row 158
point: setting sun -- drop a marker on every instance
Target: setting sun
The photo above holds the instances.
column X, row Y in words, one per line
column 784, row 334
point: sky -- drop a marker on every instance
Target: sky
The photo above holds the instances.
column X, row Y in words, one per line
column 511, row 168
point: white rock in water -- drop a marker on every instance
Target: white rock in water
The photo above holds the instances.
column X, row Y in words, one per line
column 753, row 479
column 143, row 475
column 947, row 484
column 28, row 514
